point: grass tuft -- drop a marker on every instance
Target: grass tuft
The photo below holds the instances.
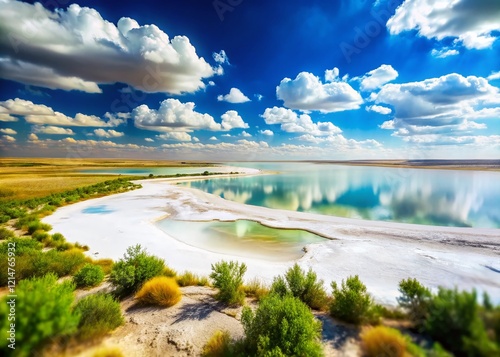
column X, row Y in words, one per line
column 161, row 291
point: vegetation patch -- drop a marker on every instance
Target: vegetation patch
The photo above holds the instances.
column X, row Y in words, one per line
column 228, row 278
column 160, row 291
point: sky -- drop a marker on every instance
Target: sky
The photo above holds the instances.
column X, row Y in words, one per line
column 250, row 79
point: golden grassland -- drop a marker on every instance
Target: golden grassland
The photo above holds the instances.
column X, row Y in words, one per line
column 23, row 178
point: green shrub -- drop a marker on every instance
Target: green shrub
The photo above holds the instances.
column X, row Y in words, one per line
column 100, row 314
column 106, row 264
column 88, row 276
column 40, row 236
column 37, row 225
column 414, row 299
column 136, row 267
column 6, row 233
column 169, row 272
column 43, row 313
column 453, row 320
column 302, row 285
column 352, row 303
column 281, row 326
column 67, row 262
column 58, row 237
column 228, row 278
column 161, row 291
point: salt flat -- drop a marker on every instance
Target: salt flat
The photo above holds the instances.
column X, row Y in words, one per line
column 381, row 253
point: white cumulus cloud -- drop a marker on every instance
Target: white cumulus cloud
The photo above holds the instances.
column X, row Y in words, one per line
column 291, row 122
column 234, row 96
column 473, row 23
column 173, row 115
column 232, row 120
column 8, row 131
column 266, row 132
column 52, row 130
column 307, row 93
column 142, row 56
column 378, row 77
column 444, row 52
column 379, row 109
column 108, row 133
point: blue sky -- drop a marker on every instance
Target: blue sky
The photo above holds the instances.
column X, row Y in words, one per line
column 250, row 80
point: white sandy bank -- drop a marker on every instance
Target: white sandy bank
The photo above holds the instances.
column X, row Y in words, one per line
column 381, row 253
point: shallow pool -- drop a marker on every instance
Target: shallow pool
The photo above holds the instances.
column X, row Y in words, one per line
column 241, row 238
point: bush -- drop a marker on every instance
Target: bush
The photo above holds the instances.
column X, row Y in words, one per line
column 352, row 303
column 384, row 341
column 6, row 233
column 414, row 299
column 161, row 291
column 304, row 286
column 58, row 237
column 219, row 345
column 190, row 279
column 105, row 264
column 40, row 236
column 281, row 327
column 100, row 314
column 88, row 276
column 65, row 263
column 43, row 313
column 228, row 278
column 454, row 321
column 37, row 225
column 256, row 288
column 136, row 267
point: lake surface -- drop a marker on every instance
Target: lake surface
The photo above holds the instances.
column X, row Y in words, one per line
column 423, row 196
column 145, row 171
column 241, row 237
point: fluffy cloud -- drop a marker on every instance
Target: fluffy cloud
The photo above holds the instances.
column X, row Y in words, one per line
column 220, row 57
column 494, row 75
column 213, row 138
column 149, row 140
column 266, row 132
column 8, row 138
column 6, row 117
column 173, row 116
column 231, row 120
column 331, row 74
column 8, row 131
column 144, row 57
column 473, row 23
column 32, row 137
column 444, row 52
column 340, row 142
column 108, row 133
column 175, row 136
column 42, row 115
column 379, row 109
column 291, row 122
column 445, row 105
column 234, row 96
column 53, row 130
column 378, row 77
column 245, row 134
column 306, row 92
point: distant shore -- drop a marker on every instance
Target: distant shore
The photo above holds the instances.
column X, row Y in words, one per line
column 381, row 253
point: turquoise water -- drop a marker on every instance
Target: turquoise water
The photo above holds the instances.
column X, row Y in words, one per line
column 241, row 237
column 100, row 209
column 422, row 196
column 145, row 171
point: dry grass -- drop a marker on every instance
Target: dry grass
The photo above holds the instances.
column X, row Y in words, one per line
column 105, row 264
column 160, row 291
column 384, row 341
column 256, row 288
column 33, row 177
column 219, row 345
column 190, row 279
column 108, row 352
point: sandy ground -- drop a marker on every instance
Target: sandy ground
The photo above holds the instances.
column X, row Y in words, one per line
column 381, row 253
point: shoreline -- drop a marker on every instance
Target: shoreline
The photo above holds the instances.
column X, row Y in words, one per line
column 381, row 253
